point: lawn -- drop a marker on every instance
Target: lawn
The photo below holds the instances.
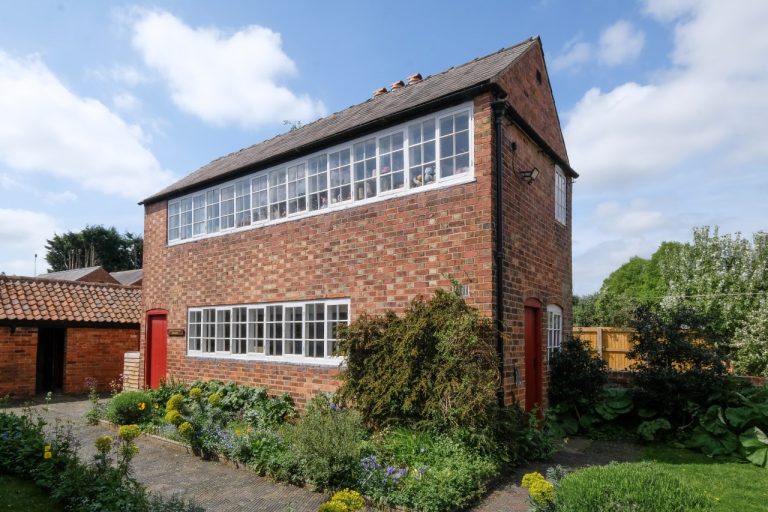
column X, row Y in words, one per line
column 735, row 486
column 21, row 495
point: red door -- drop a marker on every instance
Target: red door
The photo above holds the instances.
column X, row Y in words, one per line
column 533, row 366
column 157, row 324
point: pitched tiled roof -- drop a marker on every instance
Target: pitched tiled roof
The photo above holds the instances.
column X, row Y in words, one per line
column 69, row 275
column 128, row 277
column 454, row 80
column 27, row 298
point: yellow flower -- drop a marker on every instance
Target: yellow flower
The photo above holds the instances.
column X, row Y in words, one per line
column 352, row 499
column 530, row 478
column 186, row 429
column 542, row 492
column 47, row 455
column 104, row 444
column 238, row 432
column 142, row 406
column 129, row 432
column 174, row 403
column 157, row 406
column 195, row 392
column 215, row 399
column 174, row 417
column 47, row 448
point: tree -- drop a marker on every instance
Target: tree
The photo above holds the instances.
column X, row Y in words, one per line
column 584, row 310
column 638, row 282
column 95, row 245
column 723, row 278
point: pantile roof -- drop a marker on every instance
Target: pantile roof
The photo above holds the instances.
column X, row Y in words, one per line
column 34, row 299
column 453, row 80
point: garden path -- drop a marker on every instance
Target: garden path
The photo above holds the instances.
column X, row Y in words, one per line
column 169, row 469
column 508, row 496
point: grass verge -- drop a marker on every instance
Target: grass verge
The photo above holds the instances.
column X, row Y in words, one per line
column 734, row 486
column 20, row 495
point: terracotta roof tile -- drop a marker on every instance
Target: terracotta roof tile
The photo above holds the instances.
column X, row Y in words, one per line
column 26, row 298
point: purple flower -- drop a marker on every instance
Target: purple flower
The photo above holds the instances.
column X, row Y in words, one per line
column 390, row 470
column 335, row 407
column 370, row 463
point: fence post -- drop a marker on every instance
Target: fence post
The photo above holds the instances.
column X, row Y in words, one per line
column 600, row 342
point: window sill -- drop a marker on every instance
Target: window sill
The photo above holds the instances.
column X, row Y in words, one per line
column 326, row 362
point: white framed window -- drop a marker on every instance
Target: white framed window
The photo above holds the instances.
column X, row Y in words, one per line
column 297, row 188
column 391, row 162
column 242, row 203
column 195, row 330
column 431, row 151
column 365, row 169
column 317, row 178
column 290, row 331
column 239, row 330
column 554, row 329
column 560, row 195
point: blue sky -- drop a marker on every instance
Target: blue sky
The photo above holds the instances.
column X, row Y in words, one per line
column 662, row 103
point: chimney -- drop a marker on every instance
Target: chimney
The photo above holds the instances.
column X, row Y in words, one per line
column 397, row 85
column 379, row 92
column 414, row 79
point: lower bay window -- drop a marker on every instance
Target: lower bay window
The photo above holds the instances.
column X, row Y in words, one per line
column 291, row 331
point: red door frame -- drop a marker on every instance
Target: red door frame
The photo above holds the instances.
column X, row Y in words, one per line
column 156, row 349
column 533, row 363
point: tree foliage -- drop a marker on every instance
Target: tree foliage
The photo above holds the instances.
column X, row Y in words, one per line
column 95, row 245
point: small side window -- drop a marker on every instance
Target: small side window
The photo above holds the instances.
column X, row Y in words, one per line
column 554, row 329
column 560, row 195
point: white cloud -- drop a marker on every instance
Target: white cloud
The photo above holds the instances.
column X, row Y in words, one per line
column 711, row 100
column 574, row 54
column 620, row 43
column 122, row 74
column 634, row 218
column 45, row 128
column 23, row 234
column 126, row 102
column 223, row 78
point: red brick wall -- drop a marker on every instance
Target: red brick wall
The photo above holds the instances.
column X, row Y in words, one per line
column 537, row 248
column 18, row 360
column 97, row 353
column 533, row 100
column 380, row 255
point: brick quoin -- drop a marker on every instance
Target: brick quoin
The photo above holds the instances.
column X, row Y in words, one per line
column 383, row 255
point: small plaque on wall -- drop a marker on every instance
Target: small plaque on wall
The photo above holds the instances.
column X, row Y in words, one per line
column 175, row 332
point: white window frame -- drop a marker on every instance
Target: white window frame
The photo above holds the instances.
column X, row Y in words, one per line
column 554, row 329
column 269, row 341
column 213, row 207
column 561, row 192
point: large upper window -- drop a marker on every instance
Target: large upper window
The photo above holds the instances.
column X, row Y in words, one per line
column 294, row 331
column 427, row 151
column 560, row 195
column 554, row 329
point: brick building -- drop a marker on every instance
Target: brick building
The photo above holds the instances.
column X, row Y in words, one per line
column 252, row 261
column 55, row 334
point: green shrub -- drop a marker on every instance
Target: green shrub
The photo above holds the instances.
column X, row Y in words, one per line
column 328, row 442
column 126, row 408
column 577, row 375
column 640, row 487
column 424, row 471
column 435, row 366
column 679, row 368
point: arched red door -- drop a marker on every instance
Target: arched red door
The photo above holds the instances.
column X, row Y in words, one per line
column 157, row 348
column 533, row 367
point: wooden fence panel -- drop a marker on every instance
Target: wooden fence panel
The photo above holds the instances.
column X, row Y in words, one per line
column 611, row 343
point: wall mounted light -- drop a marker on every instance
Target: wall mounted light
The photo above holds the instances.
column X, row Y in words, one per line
column 525, row 175
column 528, row 176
